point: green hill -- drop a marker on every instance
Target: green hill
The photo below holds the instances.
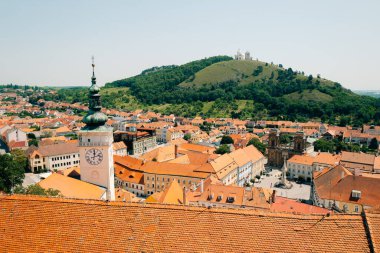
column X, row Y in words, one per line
column 222, row 87
column 309, row 95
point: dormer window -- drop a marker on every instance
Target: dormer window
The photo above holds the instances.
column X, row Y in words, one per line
column 356, row 194
column 219, row 198
column 230, row 199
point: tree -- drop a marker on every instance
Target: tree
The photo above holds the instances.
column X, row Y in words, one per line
column 324, row 145
column 226, row 139
column 344, row 121
column 36, row 189
column 259, row 145
column 33, row 142
column 12, row 171
column 374, row 144
column 187, row 136
column 20, row 157
column 31, row 136
column 223, row 149
column 285, row 138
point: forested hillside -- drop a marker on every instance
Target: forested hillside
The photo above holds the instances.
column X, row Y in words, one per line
column 248, row 89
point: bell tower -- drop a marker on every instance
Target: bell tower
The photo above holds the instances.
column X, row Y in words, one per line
column 299, row 142
column 95, row 144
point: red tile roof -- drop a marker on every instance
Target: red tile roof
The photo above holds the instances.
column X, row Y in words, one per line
column 40, row 224
column 282, row 204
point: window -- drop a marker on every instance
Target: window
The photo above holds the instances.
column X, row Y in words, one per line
column 356, row 209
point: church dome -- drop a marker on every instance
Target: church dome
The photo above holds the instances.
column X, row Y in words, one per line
column 95, row 118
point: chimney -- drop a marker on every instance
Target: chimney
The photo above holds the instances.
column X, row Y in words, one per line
column 274, row 196
column 342, row 175
column 202, row 186
column 175, row 150
column 184, row 196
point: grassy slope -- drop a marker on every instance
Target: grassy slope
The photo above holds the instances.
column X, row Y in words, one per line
column 237, row 70
column 309, row 95
column 225, row 71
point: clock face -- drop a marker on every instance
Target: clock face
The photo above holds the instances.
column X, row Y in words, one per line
column 94, row 156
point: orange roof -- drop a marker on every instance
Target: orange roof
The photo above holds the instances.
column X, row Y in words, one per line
column 177, row 169
column 377, row 163
column 128, row 175
column 119, row 145
column 223, row 165
column 302, row 159
column 128, row 161
column 161, row 154
column 71, row 171
column 357, row 158
column 123, row 195
column 327, row 158
column 337, row 184
column 41, row 223
column 72, row 188
column 282, row 204
column 173, row 194
column 197, row 148
column 63, row 129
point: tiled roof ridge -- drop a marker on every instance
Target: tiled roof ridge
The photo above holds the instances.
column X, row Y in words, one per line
column 369, row 231
column 246, row 212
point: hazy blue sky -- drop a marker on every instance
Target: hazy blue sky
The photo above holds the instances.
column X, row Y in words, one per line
column 51, row 42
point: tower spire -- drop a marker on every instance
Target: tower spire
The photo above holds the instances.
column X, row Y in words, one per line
column 93, row 79
column 94, row 118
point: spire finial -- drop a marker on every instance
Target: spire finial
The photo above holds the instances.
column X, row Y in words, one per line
column 93, row 64
column 93, row 71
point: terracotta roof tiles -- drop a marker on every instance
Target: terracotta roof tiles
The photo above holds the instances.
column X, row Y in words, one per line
column 39, row 224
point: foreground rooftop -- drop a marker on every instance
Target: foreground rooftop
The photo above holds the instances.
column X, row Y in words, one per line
column 41, row 224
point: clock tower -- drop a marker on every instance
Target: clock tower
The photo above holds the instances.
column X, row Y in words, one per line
column 95, row 144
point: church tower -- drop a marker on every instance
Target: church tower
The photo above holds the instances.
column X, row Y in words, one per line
column 95, row 144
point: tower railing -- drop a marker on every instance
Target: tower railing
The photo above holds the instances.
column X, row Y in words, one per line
column 94, row 144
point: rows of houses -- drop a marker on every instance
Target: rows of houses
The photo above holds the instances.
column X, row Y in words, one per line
column 188, row 165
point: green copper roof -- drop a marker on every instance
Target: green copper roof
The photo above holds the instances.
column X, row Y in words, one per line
column 95, row 119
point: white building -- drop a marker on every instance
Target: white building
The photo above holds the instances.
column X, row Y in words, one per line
column 119, row 148
column 240, row 166
column 54, row 157
column 300, row 166
column 239, row 56
column 15, row 135
column 303, row 166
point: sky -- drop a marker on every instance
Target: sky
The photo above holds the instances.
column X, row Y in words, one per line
column 44, row 42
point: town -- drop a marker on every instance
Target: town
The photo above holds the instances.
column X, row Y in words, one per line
column 199, row 128
column 145, row 157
